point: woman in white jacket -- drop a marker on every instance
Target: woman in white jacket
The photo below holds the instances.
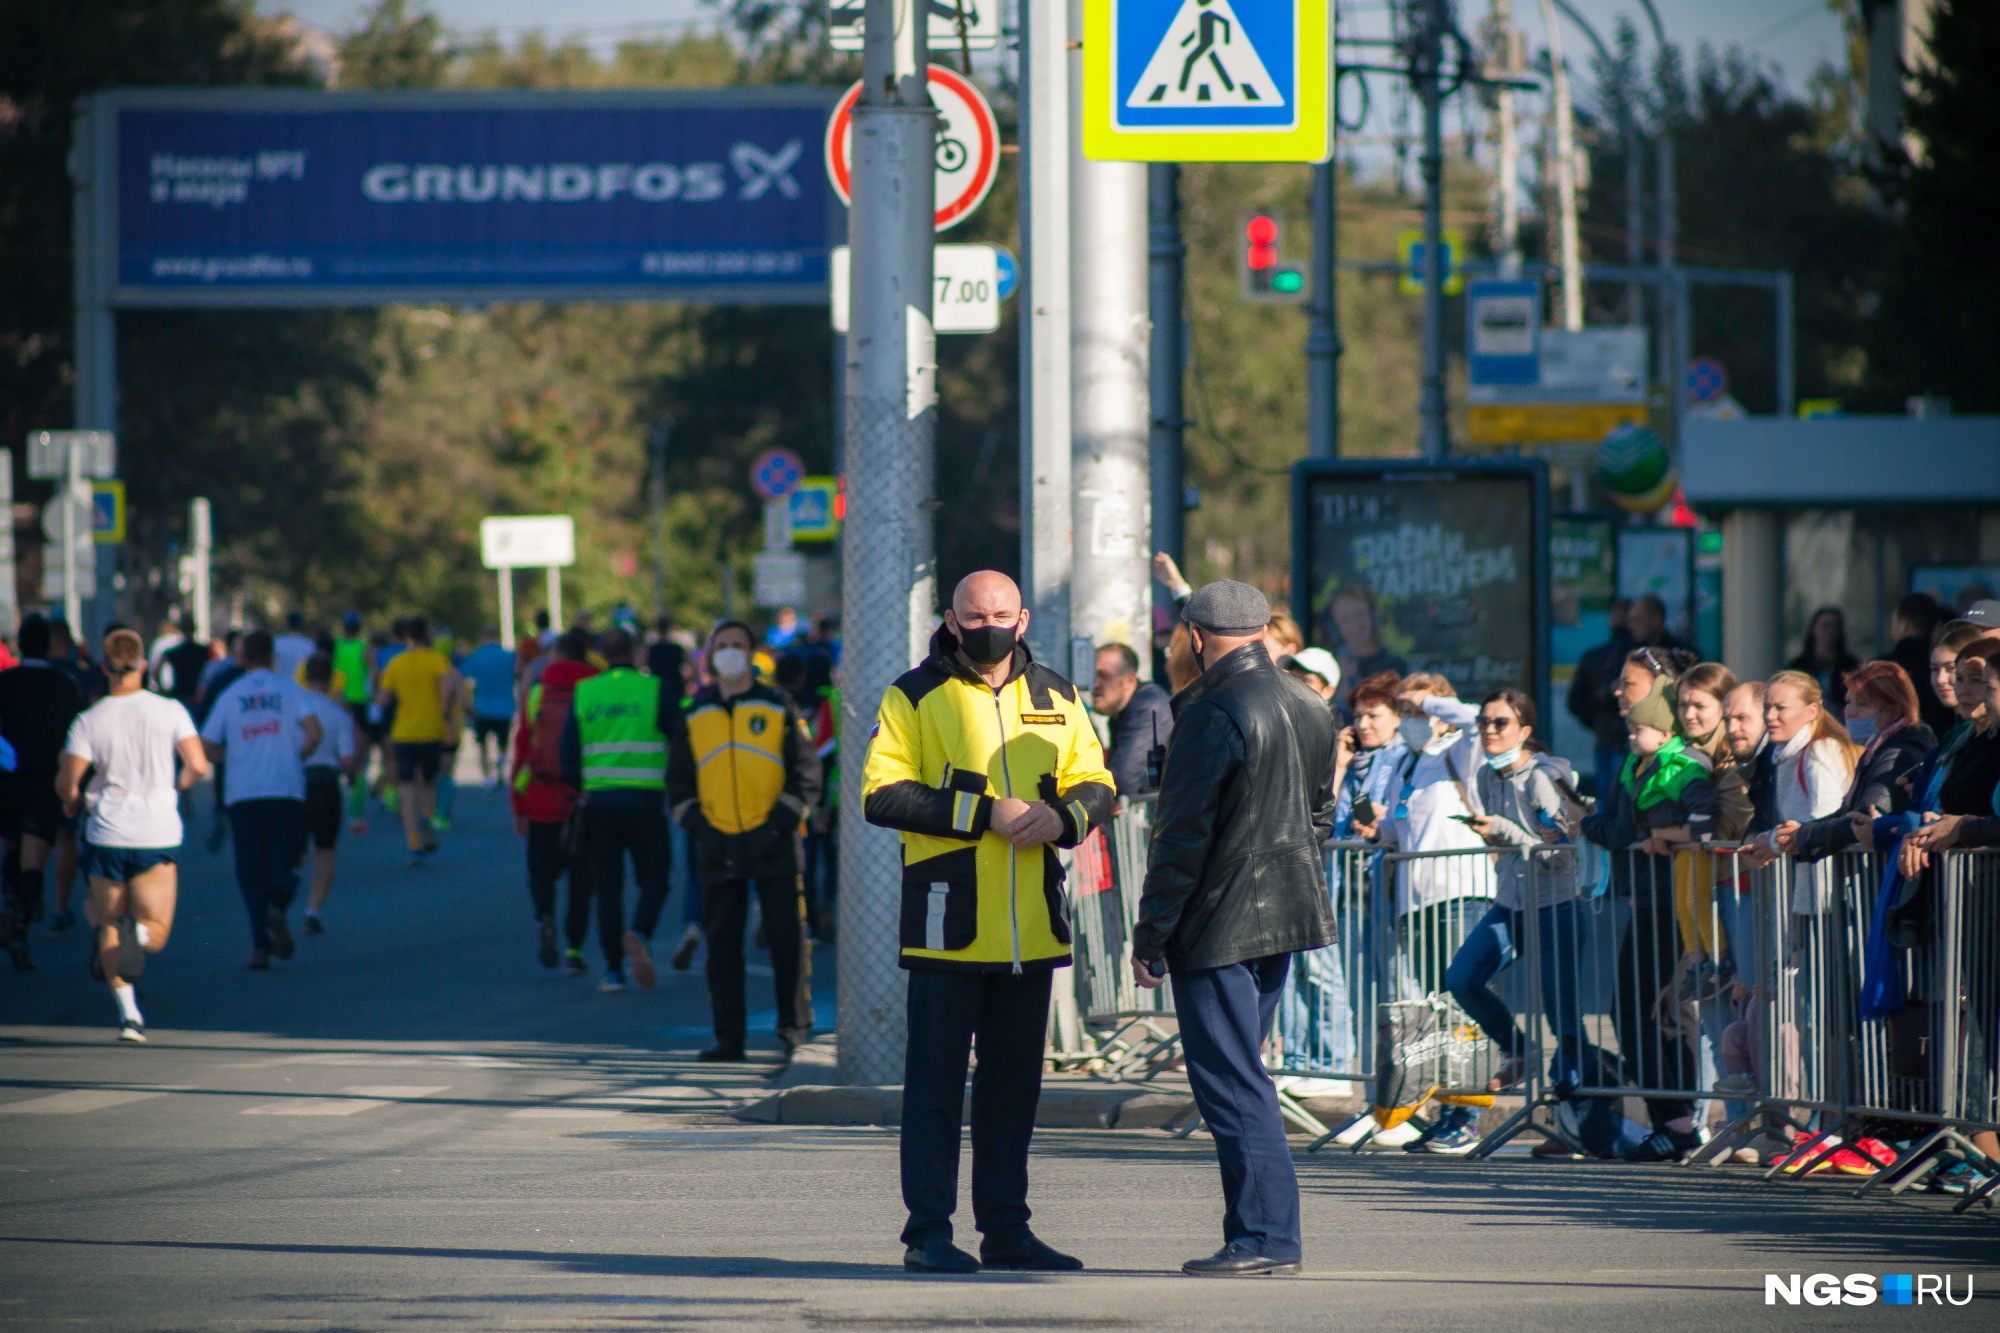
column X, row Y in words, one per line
column 1813, row 759
column 1438, row 899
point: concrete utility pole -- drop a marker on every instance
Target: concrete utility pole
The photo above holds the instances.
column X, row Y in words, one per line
column 201, row 542
column 658, row 448
column 889, row 563
column 1670, row 310
column 1111, row 595
column 95, row 356
column 1628, row 129
column 1566, row 244
column 1167, row 260
column 1427, row 74
column 1503, row 61
column 1323, row 337
column 1045, row 331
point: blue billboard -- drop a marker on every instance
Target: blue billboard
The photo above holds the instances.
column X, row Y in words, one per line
column 328, row 198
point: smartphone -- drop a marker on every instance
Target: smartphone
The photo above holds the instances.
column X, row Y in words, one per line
column 1464, row 819
column 1363, row 809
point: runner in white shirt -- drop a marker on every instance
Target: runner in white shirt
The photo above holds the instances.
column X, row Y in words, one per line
column 128, row 742
column 334, row 758
column 263, row 726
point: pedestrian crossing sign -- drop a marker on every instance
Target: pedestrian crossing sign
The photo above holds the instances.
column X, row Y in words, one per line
column 1207, row 80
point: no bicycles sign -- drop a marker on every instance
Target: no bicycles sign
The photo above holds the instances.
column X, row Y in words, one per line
column 968, row 146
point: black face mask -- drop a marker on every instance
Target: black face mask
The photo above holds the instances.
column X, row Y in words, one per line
column 988, row 645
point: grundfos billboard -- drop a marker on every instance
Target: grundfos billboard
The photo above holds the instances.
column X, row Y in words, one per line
column 326, row 198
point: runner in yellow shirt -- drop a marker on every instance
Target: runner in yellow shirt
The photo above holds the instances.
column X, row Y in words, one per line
column 422, row 684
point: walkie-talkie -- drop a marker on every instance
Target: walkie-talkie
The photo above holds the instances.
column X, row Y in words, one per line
column 1156, row 758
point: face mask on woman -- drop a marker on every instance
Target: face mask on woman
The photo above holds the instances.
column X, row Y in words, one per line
column 731, row 663
column 1500, row 763
column 1415, row 731
column 1861, row 729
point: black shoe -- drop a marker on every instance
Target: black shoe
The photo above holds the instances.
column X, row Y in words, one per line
column 1237, row 1259
column 684, row 953
column 547, row 955
column 312, row 925
column 131, row 960
column 1028, row 1254
column 260, row 961
column 1662, row 1145
column 281, row 934
column 17, row 953
column 721, row 1052
column 939, row 1256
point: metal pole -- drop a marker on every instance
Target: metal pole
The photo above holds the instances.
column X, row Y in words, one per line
column 1111, row 586
column 890, row 573
column 1671, row 374
column 72, row 485
column 659, row 449
column 1572, row 277
column 1045, row 335
column 1426, row 73
column 506, row 577
column 1323, row 337
column 96, row 344
column 1787, row 366
column 1167, row 258
column 1507, row 154
column 555, row 599
column 201, row 535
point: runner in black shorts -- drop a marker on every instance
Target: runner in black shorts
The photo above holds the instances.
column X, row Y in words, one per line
column 337, row 756
column 418, row 761
column 37, row 705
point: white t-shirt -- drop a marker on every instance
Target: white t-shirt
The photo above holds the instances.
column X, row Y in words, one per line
column 260, row 722
column 129, row 740
column 288, row 650
column 336, row 726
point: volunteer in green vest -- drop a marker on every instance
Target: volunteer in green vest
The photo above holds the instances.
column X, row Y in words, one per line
column 614, row 750
column 350, row 663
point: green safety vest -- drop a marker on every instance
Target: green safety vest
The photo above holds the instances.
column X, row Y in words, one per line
column 618, row 721
column 350, row 659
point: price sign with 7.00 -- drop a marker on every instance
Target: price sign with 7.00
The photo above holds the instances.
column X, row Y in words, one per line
column 966, row 298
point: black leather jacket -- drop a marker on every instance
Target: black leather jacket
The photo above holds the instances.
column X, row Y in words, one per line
column 1236, row 871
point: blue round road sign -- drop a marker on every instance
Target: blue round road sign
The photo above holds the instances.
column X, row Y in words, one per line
column 776, row 473
column 1707, row 381
column 1010, row 273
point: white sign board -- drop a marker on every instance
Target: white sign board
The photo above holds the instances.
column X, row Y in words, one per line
column 1606, row 365
column 529, row 541
column 48, row 453
column 848, row 27
column 965, row 288
column 778, row 578
column 53, row 588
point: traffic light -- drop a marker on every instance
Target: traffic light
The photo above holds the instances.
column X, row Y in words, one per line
column 1265, row 279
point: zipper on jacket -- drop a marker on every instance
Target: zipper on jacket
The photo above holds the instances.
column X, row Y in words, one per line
column 1013, row 855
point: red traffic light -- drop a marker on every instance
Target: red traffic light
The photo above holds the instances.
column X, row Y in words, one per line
column 1262, row 257
column 1261, row 231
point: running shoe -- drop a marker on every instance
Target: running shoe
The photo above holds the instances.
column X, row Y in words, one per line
column 17, row 952
column 640, row 959
column 573, row 964
column 62, row 922
column 312, row 924
column 1803, row 1150
column 612, row 983
column 546, row 953
column 1449, row 1122
column 131, row 1029
column 440, row 824
column 282, row 946
column 1871, row 1155
column 260, row 961
column 684, row 951
column 1958, row 1178
column 1662, row 1145
column 1456, row 1141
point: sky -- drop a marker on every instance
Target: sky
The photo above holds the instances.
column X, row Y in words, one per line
column 1795, row 35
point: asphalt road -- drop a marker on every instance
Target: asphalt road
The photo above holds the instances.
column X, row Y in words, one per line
column 410, row 1126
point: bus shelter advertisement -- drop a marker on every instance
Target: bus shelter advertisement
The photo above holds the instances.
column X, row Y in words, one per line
column 1412, row 567
column 610, row 195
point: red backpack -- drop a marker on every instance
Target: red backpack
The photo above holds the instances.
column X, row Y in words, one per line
column 545, row 741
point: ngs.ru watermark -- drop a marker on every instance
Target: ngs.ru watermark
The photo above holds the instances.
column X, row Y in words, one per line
column 1866, row 1289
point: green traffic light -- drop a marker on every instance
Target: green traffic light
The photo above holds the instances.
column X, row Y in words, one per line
column 1288, row 280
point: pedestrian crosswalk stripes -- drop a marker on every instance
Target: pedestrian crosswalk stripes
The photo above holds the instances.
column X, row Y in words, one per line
column 78, row 1100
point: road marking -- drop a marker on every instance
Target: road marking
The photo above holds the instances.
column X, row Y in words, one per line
column 395, row 1091
column 316, row 1106
column 78, row 1100
column 563, row 1112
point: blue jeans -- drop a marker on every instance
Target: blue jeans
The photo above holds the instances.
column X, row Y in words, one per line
column 1224, row 1014
column 270, row 837
column 1490, row 948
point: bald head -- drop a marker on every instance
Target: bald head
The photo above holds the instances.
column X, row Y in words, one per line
column 986, row 597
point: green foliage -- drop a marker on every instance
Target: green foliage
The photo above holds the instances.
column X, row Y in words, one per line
column 1936, row 331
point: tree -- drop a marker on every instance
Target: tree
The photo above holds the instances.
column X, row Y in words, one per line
column 1936, row 331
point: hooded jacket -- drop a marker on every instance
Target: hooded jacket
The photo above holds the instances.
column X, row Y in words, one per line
column 946, row 746
column 538, row 801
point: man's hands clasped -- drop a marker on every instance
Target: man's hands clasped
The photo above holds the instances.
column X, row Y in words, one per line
column 1025, row 823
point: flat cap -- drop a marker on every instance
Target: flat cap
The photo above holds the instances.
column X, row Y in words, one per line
column 1228, row 607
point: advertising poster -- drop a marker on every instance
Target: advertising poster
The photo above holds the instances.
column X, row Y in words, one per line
column 1660, row 561
column 1414, row 567
column 1583, row 578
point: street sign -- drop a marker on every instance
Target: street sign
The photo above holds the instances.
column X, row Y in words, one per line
column 1588, row 383
column 1707, row 380
column 777, row 578
column 1504, row 332
column 528, row 541
column 965, row 288
column 107, row 512
column 52, row 524
column 968, row 146
column 48, row 452
column 776, row 473
column 1410, row 253
column 848, row 27
column 813, row 507
column 1207, row 80
column 55, row 590
column 1010, row 273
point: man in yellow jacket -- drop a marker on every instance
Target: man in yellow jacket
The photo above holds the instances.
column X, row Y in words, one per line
column 986, row 762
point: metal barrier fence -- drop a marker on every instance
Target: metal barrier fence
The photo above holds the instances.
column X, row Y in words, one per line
column 1676, row 984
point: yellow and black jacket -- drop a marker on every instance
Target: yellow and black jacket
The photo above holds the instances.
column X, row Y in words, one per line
column 741, row 777
column 947, row 744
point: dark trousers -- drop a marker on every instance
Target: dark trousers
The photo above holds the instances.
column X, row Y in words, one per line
column 270, row 837
column 548, row 862
column 822, row 877
column 611, row 832
column 1648, row 958
column 1008, row 1017
column 726, row 907
column 1224, row 1014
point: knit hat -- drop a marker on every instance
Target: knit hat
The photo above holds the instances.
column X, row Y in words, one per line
column 1228, row 607
column 1655, row 711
